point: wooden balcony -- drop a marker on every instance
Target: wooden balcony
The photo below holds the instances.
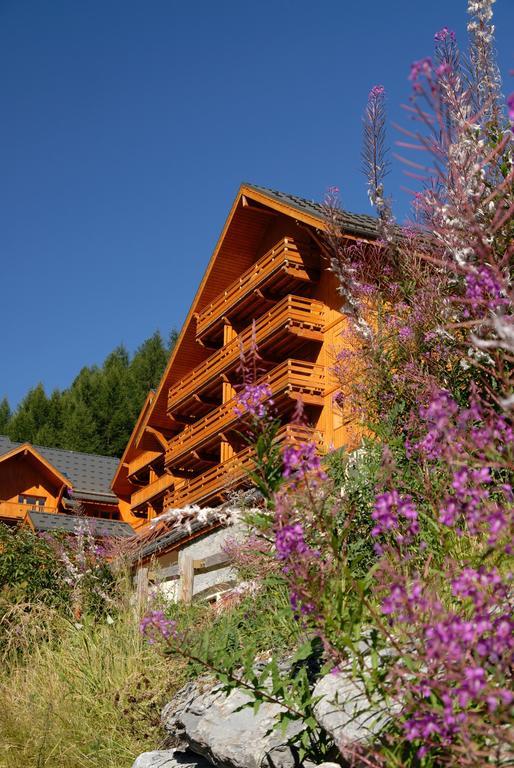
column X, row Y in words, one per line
column 281, row 269
column 292, row 315
column 12, row 510
column 150, row 491
column 215, row 483
column 141, row 461
column 294, row 379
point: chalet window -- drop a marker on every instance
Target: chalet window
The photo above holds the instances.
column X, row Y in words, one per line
column 34, row 501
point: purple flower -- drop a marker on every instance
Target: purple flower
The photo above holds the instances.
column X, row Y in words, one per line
column 422, row 727
column 385, row 512
column 301, row 460
column 254, row 400
column 483, row 290
column 156, row 626
column 421, row 67
column 443, row 69
column 474, row 683
column 405, row 333
column 389, row 510
column 445, row 34
column 376, row 92
column 289, row 541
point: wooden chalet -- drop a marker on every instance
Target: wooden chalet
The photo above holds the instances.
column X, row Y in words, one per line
column 51, row 489
column 268, row 268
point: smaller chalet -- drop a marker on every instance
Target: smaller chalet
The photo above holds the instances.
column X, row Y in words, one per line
column 52, row 489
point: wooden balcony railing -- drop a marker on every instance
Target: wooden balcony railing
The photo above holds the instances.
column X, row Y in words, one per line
column 150, row 491
column 295, row 378
column 292, row 314
column 226, row 476
column 283, row 260
column 15, row 511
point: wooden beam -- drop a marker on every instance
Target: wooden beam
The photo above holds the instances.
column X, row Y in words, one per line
column 211, row 563
column 184, row 473
column 306, row 333
column 246, row 203
column 205, row 400
column 165, row 574
column 205, row 457
column 181, row 419
column 307, row 398
column 267, row 298
column 161, row 438
column 206, row 345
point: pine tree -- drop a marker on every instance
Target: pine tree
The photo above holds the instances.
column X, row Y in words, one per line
column 30, row 416
column 97, row 412
column 146, row 368
column 113, row 404
column 50, row 432
column 5, row 415
column 79, row 420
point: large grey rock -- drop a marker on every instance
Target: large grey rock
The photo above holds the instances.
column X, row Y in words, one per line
column 345, row 712
column 226, row 732
column 170, row 758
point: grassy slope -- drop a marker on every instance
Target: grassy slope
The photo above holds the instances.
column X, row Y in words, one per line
column 92, row 697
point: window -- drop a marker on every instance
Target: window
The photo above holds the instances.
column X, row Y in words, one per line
column 35, row 502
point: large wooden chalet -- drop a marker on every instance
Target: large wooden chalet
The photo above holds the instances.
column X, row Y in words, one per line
column 268, row 267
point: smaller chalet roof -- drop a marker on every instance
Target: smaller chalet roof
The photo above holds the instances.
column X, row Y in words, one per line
column 89, row 474
column 45, row 521
column 354, row 223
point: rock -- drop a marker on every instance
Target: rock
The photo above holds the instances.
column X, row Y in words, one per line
column 344, row 710
column 226, row 732
column 170, row 758
column 328, row 765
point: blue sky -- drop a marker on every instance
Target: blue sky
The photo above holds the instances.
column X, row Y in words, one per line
column 128, row 125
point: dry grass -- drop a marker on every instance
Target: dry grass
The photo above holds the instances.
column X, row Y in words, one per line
column 85, row 697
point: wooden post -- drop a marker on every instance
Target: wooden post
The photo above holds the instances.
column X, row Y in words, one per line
column 187, row 574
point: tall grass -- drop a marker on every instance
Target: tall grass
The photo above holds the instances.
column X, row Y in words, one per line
column 87, row 696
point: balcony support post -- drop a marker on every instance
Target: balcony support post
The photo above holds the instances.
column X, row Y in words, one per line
column 227, row 390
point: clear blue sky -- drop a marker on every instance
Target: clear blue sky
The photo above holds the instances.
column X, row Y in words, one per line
column 128, row 125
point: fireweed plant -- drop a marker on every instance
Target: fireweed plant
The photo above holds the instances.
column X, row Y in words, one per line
column 427, row 628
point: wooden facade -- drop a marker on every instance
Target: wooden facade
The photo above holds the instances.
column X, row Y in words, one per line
column 267, row 278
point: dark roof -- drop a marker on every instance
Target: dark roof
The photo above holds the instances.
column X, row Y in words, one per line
column 89, row 474
column 354, row 223
column 44, row 521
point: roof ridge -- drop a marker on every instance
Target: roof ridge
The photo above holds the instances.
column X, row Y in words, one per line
column 317, row 203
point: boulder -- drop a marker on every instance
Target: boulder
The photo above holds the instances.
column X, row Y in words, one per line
column 226, row 731
column 345, row 712
column 170, row 758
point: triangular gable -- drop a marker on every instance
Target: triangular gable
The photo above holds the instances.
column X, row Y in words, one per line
column 247, row 222
column 244, row 222
column 28, row 448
